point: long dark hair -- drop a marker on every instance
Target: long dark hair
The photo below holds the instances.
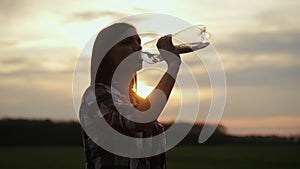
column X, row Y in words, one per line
column 100, row 63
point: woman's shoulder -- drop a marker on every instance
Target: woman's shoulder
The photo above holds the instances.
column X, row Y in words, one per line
column 93, row 92
column 97, row 89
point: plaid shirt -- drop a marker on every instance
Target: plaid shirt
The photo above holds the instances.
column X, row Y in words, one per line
column 97, row 157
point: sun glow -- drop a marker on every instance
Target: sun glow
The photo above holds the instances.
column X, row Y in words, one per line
column 143, row 90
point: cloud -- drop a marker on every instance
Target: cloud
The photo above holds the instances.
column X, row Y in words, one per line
column 281, row 17
column 14, row 60
column 265, row 76
column 37, row 62
column 7, row 43
column 85, row 16
column 262, row 43
column 261, row 58
column 282, row 125
column 12, row 8
column 271, row 40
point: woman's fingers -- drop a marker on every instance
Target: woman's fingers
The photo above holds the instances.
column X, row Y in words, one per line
column 167, row 50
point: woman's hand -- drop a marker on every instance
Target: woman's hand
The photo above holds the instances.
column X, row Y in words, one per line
column 168, row 51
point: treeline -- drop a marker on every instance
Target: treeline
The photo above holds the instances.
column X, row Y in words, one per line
column 48, row 133
column 39, row 133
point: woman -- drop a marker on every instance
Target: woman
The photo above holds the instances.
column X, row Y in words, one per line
column 115, row 61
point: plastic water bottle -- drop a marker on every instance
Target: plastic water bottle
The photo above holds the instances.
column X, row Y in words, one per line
column 194, row 38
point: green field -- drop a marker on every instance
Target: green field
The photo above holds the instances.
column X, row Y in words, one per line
column 185, row 157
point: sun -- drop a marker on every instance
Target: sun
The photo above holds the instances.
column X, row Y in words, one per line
column 143, row 90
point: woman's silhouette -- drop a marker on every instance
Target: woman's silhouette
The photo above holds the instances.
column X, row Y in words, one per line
column 115, row 61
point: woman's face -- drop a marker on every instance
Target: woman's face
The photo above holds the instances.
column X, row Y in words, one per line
column 127, row 51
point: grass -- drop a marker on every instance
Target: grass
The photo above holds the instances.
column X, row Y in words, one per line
column 234, row 157
column 185, row 157
column 42, row 158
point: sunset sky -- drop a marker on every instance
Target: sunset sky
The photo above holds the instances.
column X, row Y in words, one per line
column 258, row 43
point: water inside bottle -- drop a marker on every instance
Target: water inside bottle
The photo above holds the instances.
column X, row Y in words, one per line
column 190, row 47
column 152, row 55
